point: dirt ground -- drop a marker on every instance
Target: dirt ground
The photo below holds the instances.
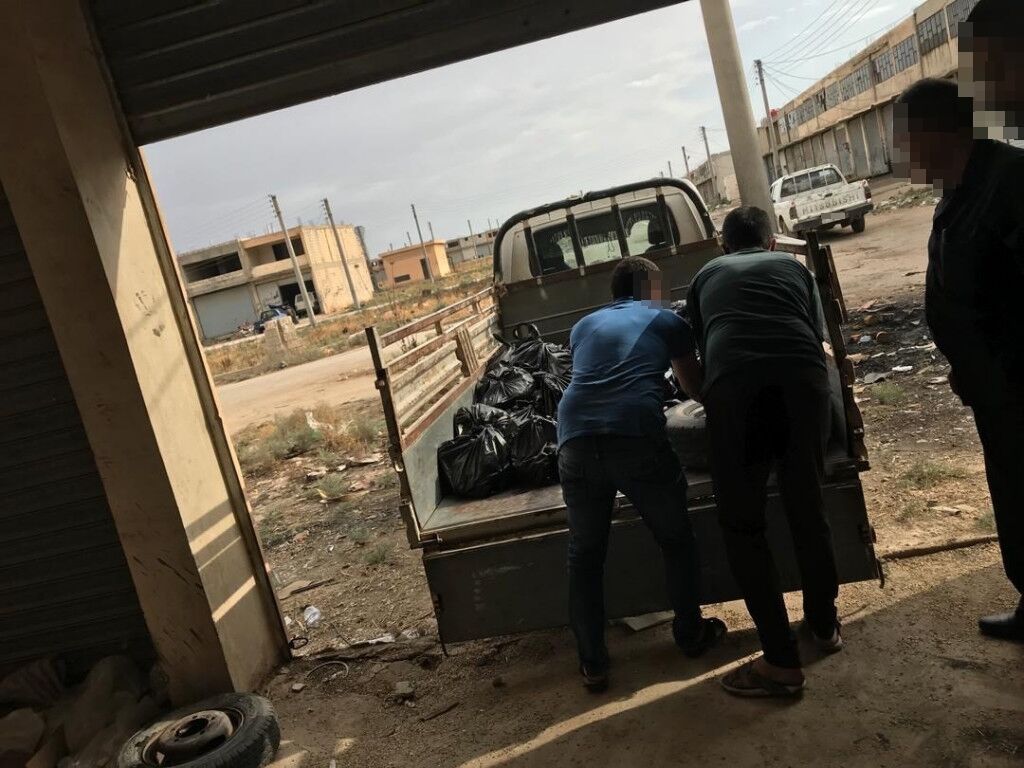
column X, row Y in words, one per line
column 915, row 686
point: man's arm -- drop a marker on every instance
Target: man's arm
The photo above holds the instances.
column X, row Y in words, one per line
column 690, row 375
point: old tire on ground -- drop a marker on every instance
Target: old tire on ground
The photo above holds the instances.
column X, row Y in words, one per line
column 234, row 730
column 687, row 434
column 858, row 225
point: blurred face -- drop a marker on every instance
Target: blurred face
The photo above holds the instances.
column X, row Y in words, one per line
column 650, row 288
column 992, row 74
column 929, row 156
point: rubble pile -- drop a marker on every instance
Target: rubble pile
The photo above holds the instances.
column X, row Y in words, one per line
column 911, row 198
column 45, row 723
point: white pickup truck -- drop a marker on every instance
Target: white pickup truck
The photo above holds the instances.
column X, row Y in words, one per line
column 820, row 198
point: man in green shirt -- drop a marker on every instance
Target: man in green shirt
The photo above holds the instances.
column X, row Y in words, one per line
column 757, row 321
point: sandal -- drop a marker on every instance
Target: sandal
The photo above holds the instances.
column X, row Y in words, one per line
column 749, row 683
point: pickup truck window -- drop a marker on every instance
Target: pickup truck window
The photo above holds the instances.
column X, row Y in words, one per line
column 825, row 177
column 600, row 240
column 788, row 188
column 803, row 183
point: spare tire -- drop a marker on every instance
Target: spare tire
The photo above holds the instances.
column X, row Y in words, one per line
column 687, row 433
column 234, row 730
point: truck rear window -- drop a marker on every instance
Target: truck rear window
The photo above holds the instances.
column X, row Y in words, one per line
column 599, row 238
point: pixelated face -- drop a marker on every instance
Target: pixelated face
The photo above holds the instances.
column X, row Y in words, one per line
column 991, row 73
column 921, row 154
column 649, row 287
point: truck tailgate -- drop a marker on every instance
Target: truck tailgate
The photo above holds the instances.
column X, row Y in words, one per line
column 517, row 584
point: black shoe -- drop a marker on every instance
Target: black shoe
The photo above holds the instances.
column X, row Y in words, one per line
column 709, row 635
column 831, row 644
column 1004, row 626
column 595, row 681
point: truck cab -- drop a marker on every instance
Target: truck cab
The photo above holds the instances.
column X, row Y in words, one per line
column 820, row 198
column 496, row 565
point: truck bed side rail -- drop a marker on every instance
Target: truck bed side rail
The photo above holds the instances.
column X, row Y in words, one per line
column 424, row 366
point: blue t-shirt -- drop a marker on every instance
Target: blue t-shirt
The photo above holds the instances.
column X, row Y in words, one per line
column 619, row 357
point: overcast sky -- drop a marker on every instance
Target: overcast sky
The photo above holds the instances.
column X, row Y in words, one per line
column 488, row 137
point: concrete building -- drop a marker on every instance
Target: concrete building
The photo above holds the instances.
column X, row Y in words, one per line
column 846, row 117
column 408, row 264
column 716, row 181
column 477, row 246
column 230, row 283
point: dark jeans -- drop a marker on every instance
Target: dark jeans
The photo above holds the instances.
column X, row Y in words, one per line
column 647, row 473
column 1001, row 429
column 755, row 427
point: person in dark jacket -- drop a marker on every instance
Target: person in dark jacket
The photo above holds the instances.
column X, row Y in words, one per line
column 758, row 322
column 972, row 295
column 611, row 436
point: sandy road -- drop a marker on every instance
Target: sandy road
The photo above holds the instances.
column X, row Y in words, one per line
column 874, row 264
column 337, row 380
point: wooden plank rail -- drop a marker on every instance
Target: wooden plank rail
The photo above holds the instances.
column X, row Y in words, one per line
column 435, row 319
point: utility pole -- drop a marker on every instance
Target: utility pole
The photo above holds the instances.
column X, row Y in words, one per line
column 670, row 174
column 768, row 115
column 295, row 262
column 711, row 164
column 408, row 238
column 751, row 174
column 686, row 162
column 341, row 250
column 470, row 225
column 423, row 247
column 430, row 226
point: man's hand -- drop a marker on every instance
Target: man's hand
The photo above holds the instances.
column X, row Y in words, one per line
column 690, row 375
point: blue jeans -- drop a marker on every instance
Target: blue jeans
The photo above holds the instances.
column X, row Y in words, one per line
column 647, row 473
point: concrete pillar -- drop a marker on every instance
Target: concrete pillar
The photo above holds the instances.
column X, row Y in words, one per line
column 82, row 202
column 751, row 175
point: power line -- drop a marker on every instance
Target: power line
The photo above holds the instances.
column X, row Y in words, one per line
column 800, row 34
column 849, row 21
column 876, row 33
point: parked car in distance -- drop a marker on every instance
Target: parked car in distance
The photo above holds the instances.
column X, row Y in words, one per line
column 273, row 313
column 300, row 304
column 820, row 198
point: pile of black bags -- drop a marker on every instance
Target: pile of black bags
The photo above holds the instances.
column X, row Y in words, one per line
column 507, row 438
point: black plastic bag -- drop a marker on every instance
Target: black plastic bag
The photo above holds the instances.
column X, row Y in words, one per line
column 475, row 466
column 533, row 452
column 548, row 391
column 504, row 385
column 471, row 419
column 536, row 355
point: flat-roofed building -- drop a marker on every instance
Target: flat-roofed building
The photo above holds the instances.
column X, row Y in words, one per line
column 409, row 264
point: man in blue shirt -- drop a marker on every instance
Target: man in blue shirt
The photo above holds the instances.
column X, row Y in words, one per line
column 611, row 436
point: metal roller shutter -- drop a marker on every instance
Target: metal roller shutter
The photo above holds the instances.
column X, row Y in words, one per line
column 220, row 313
column 65, row 588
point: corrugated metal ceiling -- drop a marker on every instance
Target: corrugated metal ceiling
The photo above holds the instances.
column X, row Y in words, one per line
column 180, row 66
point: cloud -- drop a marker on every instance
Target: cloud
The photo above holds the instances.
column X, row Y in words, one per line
column 755, row 23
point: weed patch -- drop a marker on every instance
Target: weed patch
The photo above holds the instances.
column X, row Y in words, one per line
column 379, row 554
column 986, row 522
column 925, row 474
column 887, row 393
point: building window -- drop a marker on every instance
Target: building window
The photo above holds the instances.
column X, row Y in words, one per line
column 402, row 278
column 885, row 66
column 904, row 54
column 832, row 98
column 221, row 265
column 281, row 250
column 958, row 11
column 932, row 32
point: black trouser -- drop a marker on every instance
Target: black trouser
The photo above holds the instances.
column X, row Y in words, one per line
column 647, row 473
column 1001, row 429
column 755, row 426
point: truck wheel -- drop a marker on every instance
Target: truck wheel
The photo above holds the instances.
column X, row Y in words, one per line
column 687, row 434
column 235, row 730
column 858, row 225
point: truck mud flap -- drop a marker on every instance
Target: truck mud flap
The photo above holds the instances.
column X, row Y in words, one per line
column 519, row 585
